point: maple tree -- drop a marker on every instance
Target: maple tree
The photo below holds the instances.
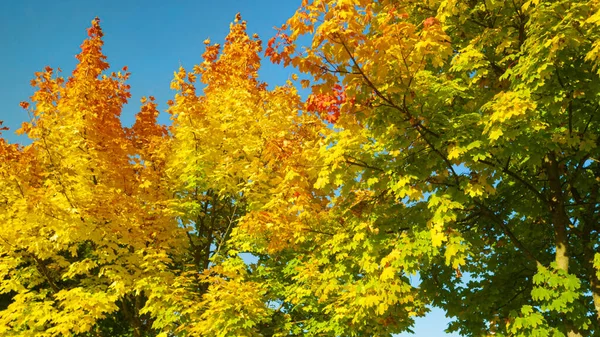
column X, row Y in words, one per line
column 446, row 156
column 472, row 139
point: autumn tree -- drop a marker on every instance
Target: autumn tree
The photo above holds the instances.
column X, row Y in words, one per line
column 240, row 162
column 465, row 150
column 78, row 226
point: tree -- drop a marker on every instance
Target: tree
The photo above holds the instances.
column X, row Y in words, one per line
column 454, row 140
column 80, row 226
column 233, row 164
column 473, row 138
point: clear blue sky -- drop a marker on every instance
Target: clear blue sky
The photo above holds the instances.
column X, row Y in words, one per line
column 151, row 37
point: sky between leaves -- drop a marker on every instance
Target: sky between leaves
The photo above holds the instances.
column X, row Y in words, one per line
column 151, row 37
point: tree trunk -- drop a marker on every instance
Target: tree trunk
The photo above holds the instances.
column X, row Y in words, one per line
column 560, row 221
column 595, row 285
column 588, row 260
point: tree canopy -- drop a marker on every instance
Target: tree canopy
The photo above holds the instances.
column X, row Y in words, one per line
column 451, row 141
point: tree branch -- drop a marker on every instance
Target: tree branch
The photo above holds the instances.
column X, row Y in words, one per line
column 518, row 178
column 515, row 241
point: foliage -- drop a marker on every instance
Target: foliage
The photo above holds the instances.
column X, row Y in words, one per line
column 476, row 121
column 446, row 156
